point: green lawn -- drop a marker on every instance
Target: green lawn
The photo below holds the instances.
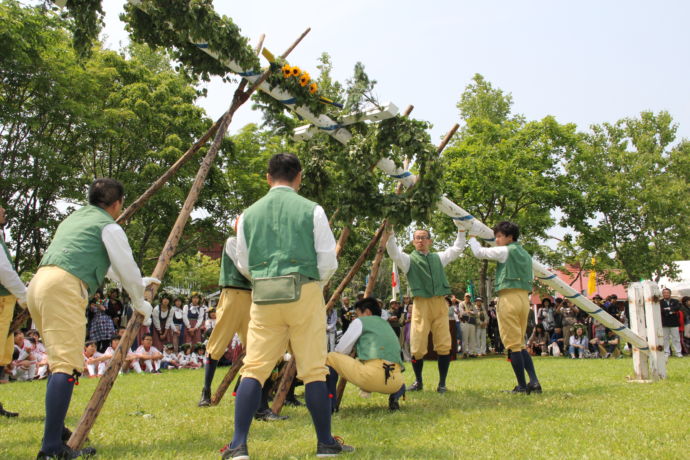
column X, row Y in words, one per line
column 587, row 410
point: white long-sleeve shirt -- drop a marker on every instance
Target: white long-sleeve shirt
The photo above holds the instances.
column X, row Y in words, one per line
column 10, row 279
column 167, row 320
column 498, row 253
column 402, row 260
column 350, row 338
column 324, row 244
column 193, row 309
column 123, row 268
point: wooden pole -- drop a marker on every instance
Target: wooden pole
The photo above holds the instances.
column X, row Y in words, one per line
column 342, row 239
column 106, row 382
column 227, row 380
column 19, row 321
column 289, row 374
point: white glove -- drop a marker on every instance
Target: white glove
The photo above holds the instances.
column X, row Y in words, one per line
column 146, row 280
column 144, row 308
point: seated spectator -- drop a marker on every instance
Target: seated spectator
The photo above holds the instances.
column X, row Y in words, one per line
column 538, row 341
column 198, row 354
column 579, row 343
column 39, row 354
column 94, row 362
column 169, row 360
column 609, row 347
column 556, row 342
column 24, row 365
column 210, row 322
column 185, row 358
column 130, row 363
column 148, row 355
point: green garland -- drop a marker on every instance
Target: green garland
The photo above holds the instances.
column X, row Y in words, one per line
column 171, row 23
column 87, row 16
column 358, row 190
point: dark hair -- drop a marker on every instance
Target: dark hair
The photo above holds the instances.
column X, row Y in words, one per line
column 508, row 229
column 115, row 337
column 284, row 167
column 147, row 335
column 369, row 303
column 104, row 191
column 684, row 299
column 90, row 342
column 428, row 233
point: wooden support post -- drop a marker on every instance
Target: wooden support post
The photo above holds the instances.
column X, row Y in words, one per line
column 655, row 332
column 639, row 327
column 340, row 391
column 342, row 239
column 227, row 380
column 106, row 382
column 19, row 321
column 289, row 374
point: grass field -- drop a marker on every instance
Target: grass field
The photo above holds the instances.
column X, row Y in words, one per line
column 587, row 410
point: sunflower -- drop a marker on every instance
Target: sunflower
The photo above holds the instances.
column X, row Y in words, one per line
column 287, row 70
column 313, row 87
column 304, row 79
column 296, row 71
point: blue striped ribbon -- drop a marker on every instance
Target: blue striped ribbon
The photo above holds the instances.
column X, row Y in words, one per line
column 550, row 277
column 201, row 45
column 467, row 217
column 330, row 128
column 249, row 73
column 572, row 296
column 488, row 239
column 292, row 100
column 401, row 176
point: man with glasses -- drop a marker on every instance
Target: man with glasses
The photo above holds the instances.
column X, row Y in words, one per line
column 424, row 270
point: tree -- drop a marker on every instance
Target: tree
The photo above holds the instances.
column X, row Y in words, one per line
column 631, row 205
column 503, row 167
column 197, row 272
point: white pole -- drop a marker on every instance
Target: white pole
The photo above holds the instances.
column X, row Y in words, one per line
column 638, row 325
column 655, row 333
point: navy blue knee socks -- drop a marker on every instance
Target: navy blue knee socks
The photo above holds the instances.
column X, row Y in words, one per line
column 332, row 385
column 319, row 405
column 209, row 372
column 529, row 367
column 443, row 364
column 518, row 364
column 246, row 403
column 417, row 366
column 58, row 397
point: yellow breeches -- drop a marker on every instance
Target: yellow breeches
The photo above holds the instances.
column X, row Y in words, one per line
column 512, row 312
column 6, row 339
column 232, row 316
column 302, row 323
column 57, row 303
column 429, row 314
column 368, row 375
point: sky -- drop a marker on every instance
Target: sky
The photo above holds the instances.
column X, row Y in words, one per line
column 582, row 61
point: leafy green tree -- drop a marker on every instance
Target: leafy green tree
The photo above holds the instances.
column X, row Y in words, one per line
column 197, row 272
column 631, row 203
column 502, row 167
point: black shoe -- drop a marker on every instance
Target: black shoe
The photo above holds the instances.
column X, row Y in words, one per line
column 441, row 389
column 7, row 414
column 416, row 386
column 205, row 400
column 533, row 388
column 67, row 453
column 518, row 390
column 238, row 453
column 393, row 403
column 269, row 416
column 331, row 450
column 293, row 402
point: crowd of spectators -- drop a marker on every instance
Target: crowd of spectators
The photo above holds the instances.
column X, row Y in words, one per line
column 175, row 335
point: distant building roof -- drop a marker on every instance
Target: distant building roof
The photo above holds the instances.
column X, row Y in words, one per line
column 579, row 283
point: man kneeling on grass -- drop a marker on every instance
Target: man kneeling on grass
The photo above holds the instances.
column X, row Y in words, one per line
column 378, row 367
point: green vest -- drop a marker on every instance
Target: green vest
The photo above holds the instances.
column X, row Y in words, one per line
column 279, row 231
column 3, row 289
column 378, row 341
column 78, row 248
column 516, row 272
column 426, row 275
column 230, row 276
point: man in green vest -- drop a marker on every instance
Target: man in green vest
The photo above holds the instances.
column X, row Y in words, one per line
column 12, row 290
column 378, row 367
column 232, row 315
column 87, row 245
column 286, row 247
column 513, row 284
column 424, row 270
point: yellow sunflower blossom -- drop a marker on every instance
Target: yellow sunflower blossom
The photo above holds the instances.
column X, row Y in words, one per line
column 287, row 70
column 313, row 88
column 304, row 79
column 296, row 71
